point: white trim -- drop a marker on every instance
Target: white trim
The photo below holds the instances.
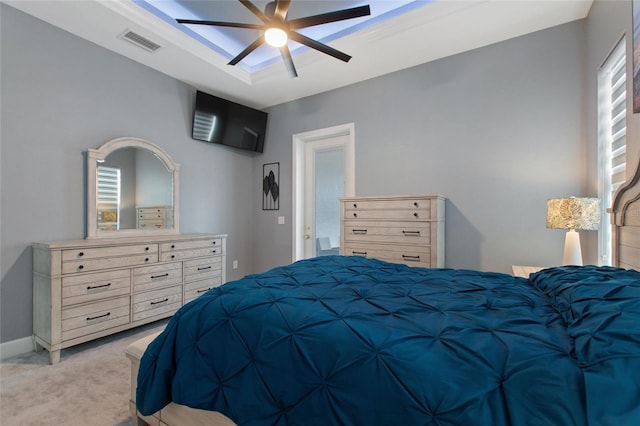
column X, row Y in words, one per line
column 16, row 347
column 299, row 141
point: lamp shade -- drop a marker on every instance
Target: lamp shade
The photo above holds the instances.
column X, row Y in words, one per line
column 573, row 213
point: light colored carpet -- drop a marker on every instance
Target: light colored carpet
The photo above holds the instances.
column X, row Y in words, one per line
column 90, row 386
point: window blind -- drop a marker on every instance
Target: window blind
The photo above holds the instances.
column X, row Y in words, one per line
column 108, row 197
column 612, row 134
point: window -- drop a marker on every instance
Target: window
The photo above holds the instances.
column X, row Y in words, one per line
column 612, row 131
column 108, row 201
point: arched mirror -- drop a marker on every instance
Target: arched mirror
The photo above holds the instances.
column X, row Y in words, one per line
column 132, row 189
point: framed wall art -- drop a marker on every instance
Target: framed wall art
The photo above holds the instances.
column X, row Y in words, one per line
column 270, row 186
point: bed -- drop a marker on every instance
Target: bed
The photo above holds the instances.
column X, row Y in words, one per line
column 344, row 340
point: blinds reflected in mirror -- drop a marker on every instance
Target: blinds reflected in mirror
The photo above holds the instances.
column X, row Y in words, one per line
column 108, row 198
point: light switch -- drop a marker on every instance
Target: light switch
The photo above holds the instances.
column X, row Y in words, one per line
column 280, row 220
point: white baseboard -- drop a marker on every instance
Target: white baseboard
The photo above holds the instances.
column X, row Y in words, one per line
column 16, row 347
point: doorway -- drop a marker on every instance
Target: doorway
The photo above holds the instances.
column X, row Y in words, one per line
column 323, row 171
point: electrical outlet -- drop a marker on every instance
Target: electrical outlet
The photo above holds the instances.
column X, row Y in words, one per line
column 280, row 220
column 235, row 264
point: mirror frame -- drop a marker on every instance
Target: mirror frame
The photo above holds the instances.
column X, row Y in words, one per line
column 100, row 154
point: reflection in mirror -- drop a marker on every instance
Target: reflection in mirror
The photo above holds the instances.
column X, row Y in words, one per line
column 135, row 189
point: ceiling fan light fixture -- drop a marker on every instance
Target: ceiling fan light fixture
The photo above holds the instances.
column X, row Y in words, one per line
column 275, row 37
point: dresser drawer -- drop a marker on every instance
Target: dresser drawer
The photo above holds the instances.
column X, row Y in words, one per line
column 151, row 210
column 95, row 286
column 89, row 318
column 150, row 215
column 198, row 269
column 110, row 251
column 194, row 289
column 150, row 224
column 189, row 254
column 107, row 263
column 410, row 255
column 414, row 214
column 388, row 204
column 418, row 233
column 158, row 302
column 187, row 245
column 156, row 276
column 190, row 245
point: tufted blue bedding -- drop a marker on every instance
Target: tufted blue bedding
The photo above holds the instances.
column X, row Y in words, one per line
column 352, row 341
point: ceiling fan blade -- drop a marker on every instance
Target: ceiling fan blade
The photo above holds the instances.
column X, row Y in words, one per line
column 288, row 61
column 264, row 18
column 326, row 18
column 282, row 7
column 221, row 24
column 318, row 46
column 253, row 46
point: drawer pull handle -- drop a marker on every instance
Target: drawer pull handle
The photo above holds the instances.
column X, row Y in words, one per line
column 173, row 256
column 359, row 253
column 355, row 206
column 93, row 287
column 146, row 259
column 355, row 215
column 81, row 254
column 415, row 215
column 415, row 204
column 204, row 290
column 153, row 277
column 173, row 246
column 146, row 249
column 214, row 251
column 411, row 233
column 166, row 299
column 204, row 268
column 80, row 267
column 99, row 316
column 214, row 243
column 411, row 258
column 360, row 231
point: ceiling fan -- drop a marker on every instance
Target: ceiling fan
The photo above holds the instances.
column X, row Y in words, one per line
column 277, row 29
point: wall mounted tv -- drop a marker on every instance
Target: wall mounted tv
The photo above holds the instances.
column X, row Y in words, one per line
column 217, row 120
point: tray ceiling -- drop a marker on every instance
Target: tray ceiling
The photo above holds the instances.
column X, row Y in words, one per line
column 399, row 34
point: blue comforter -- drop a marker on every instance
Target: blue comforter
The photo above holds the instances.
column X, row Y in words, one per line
column 352, row 341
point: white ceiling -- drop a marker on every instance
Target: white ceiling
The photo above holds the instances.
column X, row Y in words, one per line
column 433, row 30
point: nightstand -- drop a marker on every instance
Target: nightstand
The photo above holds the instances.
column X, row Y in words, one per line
column 524, row 271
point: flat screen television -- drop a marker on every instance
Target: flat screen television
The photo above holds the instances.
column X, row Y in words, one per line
column 218, row 120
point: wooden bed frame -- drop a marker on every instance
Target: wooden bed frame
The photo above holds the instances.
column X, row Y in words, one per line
column 173, row 414
column 625, row 222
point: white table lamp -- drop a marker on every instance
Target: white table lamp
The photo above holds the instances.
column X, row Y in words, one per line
column 573, row 214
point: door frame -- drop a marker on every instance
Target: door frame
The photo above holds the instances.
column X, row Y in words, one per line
column 298, row 156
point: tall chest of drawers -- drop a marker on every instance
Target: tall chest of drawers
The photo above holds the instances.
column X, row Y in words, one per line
column 86, row 289
column 401, row 229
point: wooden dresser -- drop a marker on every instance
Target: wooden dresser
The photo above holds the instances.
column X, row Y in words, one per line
column 86, row 289
column 401, row 229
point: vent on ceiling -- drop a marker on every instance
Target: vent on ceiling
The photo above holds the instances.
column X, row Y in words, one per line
column 140, row 41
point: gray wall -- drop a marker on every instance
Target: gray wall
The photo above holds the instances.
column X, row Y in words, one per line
column 497, row 131
column 62, row 95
